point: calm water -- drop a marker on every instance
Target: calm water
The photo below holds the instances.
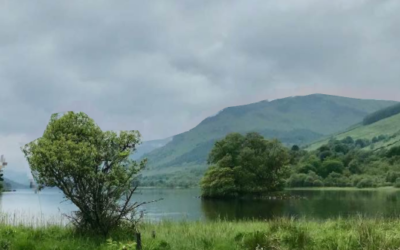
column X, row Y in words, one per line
column 185, row 204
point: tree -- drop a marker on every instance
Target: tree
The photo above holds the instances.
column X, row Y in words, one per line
column 91, row 167
column 394, row 151
column 242, row 165
column 330, row 166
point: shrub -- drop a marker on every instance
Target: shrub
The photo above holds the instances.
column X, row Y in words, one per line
column 392, row 176
column 337, row 180
column 305, row 180
column 397, row 183
column 366, row 183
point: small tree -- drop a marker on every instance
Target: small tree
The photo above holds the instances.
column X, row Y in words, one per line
column 244, row 165
column 91, row 167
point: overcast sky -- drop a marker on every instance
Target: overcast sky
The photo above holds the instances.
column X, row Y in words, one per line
column 161, row 67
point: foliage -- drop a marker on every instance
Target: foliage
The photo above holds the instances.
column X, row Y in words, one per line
column 382, row 114
column 294, row 120
column 115, row 245
column 276, row 234
column 305, row 180
column 91, row 167
column 397, row 183
column 395, row 151
column 344, row 163
column 243, row 165
column 382, row 134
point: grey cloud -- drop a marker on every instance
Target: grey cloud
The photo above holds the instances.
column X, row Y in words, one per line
column 163, row 66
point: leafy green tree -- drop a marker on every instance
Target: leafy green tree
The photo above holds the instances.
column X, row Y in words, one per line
column 348, row 140
column 325, row 154
column 91, row 167
column 394, row 151
column 295, row 148
column 242, row 165
column 219, row 182
column 330, row 166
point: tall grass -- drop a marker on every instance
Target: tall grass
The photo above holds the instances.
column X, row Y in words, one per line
column 36, row 220
column 278, row 234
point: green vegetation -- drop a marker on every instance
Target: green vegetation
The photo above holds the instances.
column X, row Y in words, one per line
column 382, row 114
column 278, row 234
column 148, row 146
column 344, row 163
column 244, row 165
column 379, row 135
column 90, row 167
column 294, row 120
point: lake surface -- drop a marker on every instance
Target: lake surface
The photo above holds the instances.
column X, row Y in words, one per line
column 177, row 204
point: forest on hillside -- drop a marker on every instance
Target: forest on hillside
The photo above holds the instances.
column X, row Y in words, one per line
column 345, row 163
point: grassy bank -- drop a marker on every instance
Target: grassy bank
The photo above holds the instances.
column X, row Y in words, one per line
column 336, row 234
column 345, row 189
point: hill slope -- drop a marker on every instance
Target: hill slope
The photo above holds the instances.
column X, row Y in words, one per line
column 294, row 120
column 389, row 128
column 148, row 146
column 10, row 184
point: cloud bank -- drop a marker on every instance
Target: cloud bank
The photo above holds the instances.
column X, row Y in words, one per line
column 163, row 66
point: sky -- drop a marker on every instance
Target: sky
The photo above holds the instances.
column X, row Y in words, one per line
column 161, row 67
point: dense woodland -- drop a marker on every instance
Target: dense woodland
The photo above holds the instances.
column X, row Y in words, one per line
column 242, row 165
column 345, row 163
column 382, row 114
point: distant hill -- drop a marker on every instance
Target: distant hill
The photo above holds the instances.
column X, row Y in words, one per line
column 10, row 184
column 293, row 120
column 148, row 146
column 388, row 129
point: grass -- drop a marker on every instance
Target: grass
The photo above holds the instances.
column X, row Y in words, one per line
column 278, row 234
column 388, row 188
column 389, row 127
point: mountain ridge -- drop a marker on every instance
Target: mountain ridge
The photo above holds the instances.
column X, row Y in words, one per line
column 294, row 120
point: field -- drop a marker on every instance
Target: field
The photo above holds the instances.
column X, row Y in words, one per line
column 338, row 234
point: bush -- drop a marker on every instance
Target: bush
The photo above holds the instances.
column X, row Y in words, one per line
column 392, row 176
column 337, row 180
column 305, row 180
column 366, row 183
column 397, row 183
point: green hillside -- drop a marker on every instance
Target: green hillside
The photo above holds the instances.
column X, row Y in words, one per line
column 148, row 146
column 389, row 128
column 293, row 120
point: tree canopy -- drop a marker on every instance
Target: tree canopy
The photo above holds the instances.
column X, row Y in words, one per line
column 243, row 165
column 347, row 162
column 91, row 167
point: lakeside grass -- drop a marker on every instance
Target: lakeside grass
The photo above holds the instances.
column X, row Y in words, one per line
column 388, row 188
column 278, row 234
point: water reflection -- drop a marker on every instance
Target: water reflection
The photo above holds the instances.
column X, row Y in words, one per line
column 185, row 205
column 318, row 204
